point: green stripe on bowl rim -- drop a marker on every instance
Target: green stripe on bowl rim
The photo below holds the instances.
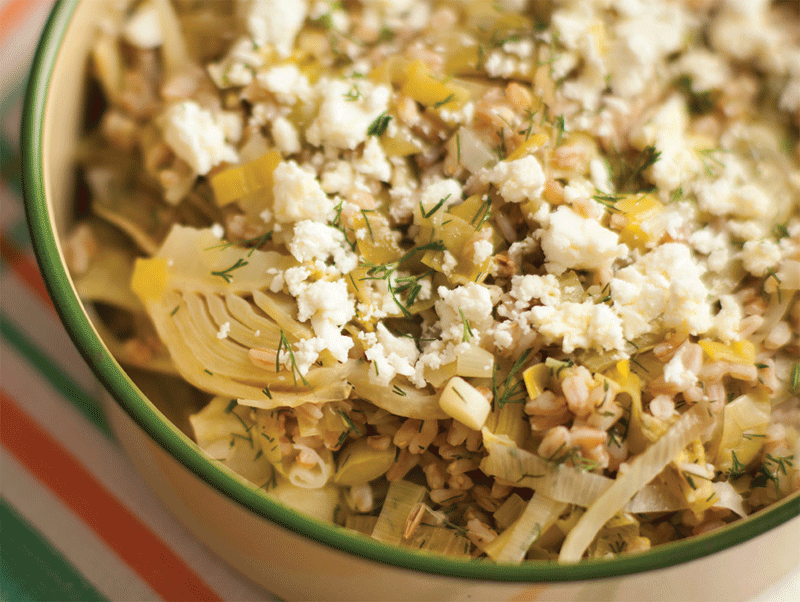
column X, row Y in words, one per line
column 185, row 451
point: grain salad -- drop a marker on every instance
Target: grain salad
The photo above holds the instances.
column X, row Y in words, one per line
column 508, row 279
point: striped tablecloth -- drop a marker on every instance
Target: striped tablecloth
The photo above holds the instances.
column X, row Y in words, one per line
column 76, row 523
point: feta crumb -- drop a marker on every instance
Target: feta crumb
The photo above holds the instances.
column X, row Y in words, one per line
column 449, row 263
column 317, row 242
column 676, row 372
column 481, row 251
column 299, row 196
column 285, row 135
column 432, row 194
column 224, row 329
column 286, row 82
column 217, row 230
column 347, row 110
column 326, row 300
column 758, row 256
column 579, row 325
column 519, row 180
column 389, row 354
column 196, row 136
column 665, row 283
column 527, row 287
column 571, row 241
column 373, row 161
column 472, row 301
column 276, row 22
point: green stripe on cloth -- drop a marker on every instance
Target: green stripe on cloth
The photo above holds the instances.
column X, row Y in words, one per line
column 51, row 371
column 10, row 166
column 32, row 570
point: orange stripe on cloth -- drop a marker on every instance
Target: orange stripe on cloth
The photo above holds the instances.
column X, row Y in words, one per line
column 62, row 473
column 26, row 269
column 12, row 13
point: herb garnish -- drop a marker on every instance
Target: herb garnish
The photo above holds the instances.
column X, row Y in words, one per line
column 510, row 392
column 467, row 328
column 378, row 127
column 284, row 345
column 436, row 207
column 444, row 101
column 226, row 274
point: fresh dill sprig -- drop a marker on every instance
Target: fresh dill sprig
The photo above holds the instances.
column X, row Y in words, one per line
column 284, row 345
column 467, row 328
column 351, row 426
column 353, row 94
column 226, row 273
column 482, row 214
column 436, row 207
column 510, row 391
column 444, row 101
column 408, row 284
column 378, row 127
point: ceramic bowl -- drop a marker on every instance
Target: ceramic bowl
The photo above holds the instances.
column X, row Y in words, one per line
column 295, row 557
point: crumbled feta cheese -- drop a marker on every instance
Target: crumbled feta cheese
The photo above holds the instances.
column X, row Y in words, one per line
column 224, row 329
column 758, row 256
column 328, row 300
column 676, row 371
column 286, row 137
column 373, row 161
column 579, row 325
column 728, row 320
column 337, row 177
column 431, row 194
column 196, row 136
column 347, row 110
column 276, row 22
column 286, row 82
column 571, row 241
column 735, row 192
column 519, row 180
column 390, row 355
column 449, row 263
column 296, row 280
column 481, row 251
column 217, row 230
column 527, row 287
column 472, row 301
column 318, row 242
column 645, row 33
column 664, row 283
column 306, row 352
column 299, row 196
column 143, row 28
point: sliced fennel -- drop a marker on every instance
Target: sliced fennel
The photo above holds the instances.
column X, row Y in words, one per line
column 525, row 469
column 400, row 400
column 640, row 471
column 513, row 543
column 206, row 301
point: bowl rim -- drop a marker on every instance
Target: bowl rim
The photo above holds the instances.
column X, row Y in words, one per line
column 169, row 438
